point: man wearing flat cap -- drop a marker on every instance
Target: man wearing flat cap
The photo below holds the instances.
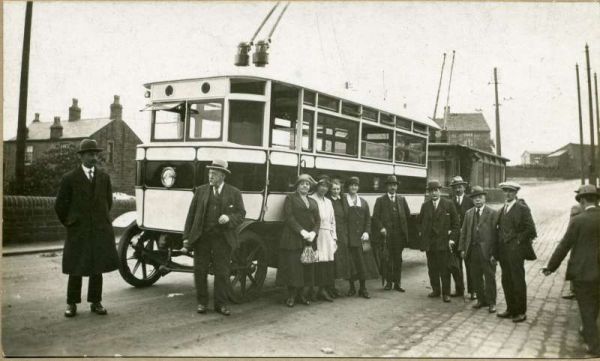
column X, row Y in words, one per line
column 82, row 205
column 582, row 238
column 390, row 222
column 478, row 247
column 516, row 231
column 210, row 230
column 462, row 203
column 438, row 222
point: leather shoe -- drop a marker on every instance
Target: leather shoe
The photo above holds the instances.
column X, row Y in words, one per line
column 333, row 292
column 478, row 305
column 223, row 310
column 473, row 297
column 457, row 294
column 290, row 302
column 398, row 288
column 570, row 296
column 351, row 292
column 519, row 318
column 433, row 294
column 492, row 308
column 325, row 296
column 71, row 310
column 505, row 314
column 201, row 308
column 446, row 298
column 303, row 300
column 364, row 294
column 388, row 286
column 98, row 309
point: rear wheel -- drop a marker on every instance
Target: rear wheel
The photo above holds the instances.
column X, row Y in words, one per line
column 134, row 267
column 248, row 268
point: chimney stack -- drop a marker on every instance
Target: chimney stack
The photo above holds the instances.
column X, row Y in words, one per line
column 116, row 109
column 56, row 129
column 74, row 111
column 37, row 118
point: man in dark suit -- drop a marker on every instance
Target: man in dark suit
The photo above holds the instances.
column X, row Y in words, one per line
column 210, row 228
column 516, row 232
column 478, row 247
column 390, row 221
column 83, row 203
column 582, row 238
column 438, row 229
column 462, row 203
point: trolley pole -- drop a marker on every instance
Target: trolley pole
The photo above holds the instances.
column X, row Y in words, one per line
column 22, row 117
column 592, row 178
column 581, row 153
column 498, row 144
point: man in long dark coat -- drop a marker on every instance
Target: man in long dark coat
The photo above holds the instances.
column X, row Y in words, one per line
column 516, row 232
column 582, row 238
column 462, row 203
column 210, row 230
column 438, row 228
column 390, row 221
column 82, row 205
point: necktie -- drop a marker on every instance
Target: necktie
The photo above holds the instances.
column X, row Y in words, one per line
column 458, row 200
column 216, row 190
column 477, row 214
column 91, row 174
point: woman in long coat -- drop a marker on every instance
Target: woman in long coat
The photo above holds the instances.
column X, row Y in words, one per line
column 326, row 240
column 342, row 254
column 301, row 226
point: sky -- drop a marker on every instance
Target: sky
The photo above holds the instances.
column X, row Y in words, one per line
column 390, row 53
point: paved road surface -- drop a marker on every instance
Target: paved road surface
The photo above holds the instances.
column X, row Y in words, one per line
column 160, row 320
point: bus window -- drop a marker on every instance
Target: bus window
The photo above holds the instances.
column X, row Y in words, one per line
column 245, row 122
column 309, row 97
column 246, row 177
column 205, row 120
column 410, row 149
column 386, row 119
column 327, row 102
column 168, row 123
column 284, row 116
column 369, row 113
column 308, row 123
column 403, row 123
column 248, row 86
column 336, row 135
column 377, row 142
column 282, row 178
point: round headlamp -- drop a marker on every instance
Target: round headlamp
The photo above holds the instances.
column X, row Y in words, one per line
column 167, row 177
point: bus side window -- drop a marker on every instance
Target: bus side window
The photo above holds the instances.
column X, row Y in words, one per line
column 245, row 122
column 284, row 116
column 282, row 178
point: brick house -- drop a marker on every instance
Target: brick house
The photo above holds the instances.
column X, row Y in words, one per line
column 112, row 134
column 468, row 129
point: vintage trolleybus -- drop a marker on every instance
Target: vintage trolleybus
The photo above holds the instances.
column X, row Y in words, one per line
column 269, row 131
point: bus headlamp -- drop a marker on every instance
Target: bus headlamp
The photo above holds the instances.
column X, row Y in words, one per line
column 167, row 177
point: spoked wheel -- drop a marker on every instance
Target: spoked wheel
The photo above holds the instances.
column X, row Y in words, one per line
column 135, row 268
column 248, row 268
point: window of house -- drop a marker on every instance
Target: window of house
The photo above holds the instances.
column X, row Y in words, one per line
column 284, row 116
column 246, row 122
column 110, row 149
column 310, row 97
column 308, row 124
column 410, row 148
column 169, row 122
column 369, row 113
column 29, row 155
column 206, row 120
column 377, row 142
column 248, row 86
column 336, row 135
column 327, row 102
column 403, row 123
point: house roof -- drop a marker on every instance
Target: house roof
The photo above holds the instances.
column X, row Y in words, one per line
column 557, row 153
column 537, row 152
column 474, row 150
column 82, row 128
column 464, row 122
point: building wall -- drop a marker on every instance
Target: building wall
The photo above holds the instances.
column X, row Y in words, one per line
column 478, row 140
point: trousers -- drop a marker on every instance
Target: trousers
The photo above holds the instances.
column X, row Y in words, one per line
column 512, row 264
column 483, row 275
column 587, row 294
column 94, row 293
column 212, row 246
column 457, row 273
column 394, row 267
column 437, row 268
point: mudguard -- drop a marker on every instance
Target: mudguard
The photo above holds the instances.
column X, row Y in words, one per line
column 125, row 220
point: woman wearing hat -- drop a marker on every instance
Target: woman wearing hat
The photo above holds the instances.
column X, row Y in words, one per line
column 326, row 240
column 302, row 223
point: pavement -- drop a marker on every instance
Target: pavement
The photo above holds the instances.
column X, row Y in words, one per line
column 160, row 320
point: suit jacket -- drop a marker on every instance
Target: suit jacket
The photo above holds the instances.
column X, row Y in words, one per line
column 488, row 235
column 382, row 217
column 517, row 230
column 232, row 205
column 461, row 209
column 582, row 238
column 340, row 209
column 83, row 208
column 298, row 217
column 359, row 222
column 438, row 227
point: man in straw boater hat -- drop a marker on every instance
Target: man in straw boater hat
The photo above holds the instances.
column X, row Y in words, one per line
column 82, row 205
column 210, row 230
column 516, row 231
column 390, row 222
column 478, row 247
column 462, row 203
column 438, row 222
column 582, row 238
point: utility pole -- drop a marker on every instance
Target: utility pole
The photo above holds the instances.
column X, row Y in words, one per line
column 437, row 98
column 22, row 117
column 498, row 144
column 597, row 117
column 592, row 179
column 581, row 153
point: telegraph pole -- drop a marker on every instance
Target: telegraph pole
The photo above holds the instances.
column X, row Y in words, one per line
column 498, row 144
column 597, row 117
column 22, row 117
column 592, row 179
column 581, row 155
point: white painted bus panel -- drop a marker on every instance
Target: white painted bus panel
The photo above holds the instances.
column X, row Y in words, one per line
column 253, row 204
column 190, row 89
column 353, row 165
column 140, row 153
column 410, row 171
column 139, row 200
column 280, row 158
column 308, row 161
column 232, row 155
column 166, row 209
column 183, row 153
column 274, row 210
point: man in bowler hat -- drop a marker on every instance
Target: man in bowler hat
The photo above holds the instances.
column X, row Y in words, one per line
column 438, row 229
column 390, row 222
column 582, row 238
column 462, row 203
column 210, row 230
column 82, row 205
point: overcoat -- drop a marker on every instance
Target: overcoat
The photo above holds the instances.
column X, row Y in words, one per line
column 487, row 228
column 462, row 208
column 517, row 230
column 298, row 217
column 83, row 206
column 232, row 205
column 359, row 221
column 582, row 238
column 438, row 226
column 383, row 216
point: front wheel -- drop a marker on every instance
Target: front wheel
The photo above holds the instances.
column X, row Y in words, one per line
column 248, row 268
column 134, row 266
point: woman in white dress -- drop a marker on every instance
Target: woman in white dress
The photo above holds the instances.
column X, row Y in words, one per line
column 326, row 240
